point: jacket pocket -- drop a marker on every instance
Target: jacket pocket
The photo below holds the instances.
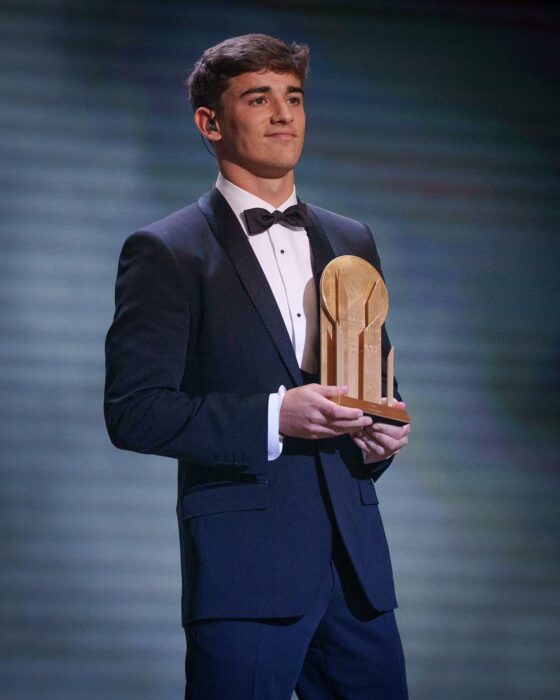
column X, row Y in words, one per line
column 223, row 498
column 368, row 494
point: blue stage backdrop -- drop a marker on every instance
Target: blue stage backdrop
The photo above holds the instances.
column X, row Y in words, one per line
column 436, row 123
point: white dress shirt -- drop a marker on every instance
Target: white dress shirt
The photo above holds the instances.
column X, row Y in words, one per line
column 285, row 258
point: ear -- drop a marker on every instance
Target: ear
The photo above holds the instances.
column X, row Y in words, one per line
column 205, row 120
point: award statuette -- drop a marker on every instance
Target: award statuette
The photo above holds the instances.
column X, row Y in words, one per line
column 354, row 305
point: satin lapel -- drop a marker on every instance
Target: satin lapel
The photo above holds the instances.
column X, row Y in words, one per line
column 321, row 249
column 321, row 254
column 228, row 231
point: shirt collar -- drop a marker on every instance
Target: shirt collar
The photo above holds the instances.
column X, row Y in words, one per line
column 239, row 199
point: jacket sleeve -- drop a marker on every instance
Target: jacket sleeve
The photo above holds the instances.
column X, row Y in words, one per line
column 146, row 352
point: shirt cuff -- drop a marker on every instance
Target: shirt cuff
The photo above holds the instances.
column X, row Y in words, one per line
column 275, row 443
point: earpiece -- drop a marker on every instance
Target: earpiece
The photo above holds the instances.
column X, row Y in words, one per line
column 212, row 126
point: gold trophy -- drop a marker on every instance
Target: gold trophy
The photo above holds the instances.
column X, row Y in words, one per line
column 354, row 305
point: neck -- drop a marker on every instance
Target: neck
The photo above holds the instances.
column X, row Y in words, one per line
column 275, row 191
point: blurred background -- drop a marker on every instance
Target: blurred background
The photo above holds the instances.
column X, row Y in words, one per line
column 436, row 123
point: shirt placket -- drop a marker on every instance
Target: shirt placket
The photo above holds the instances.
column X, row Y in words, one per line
column 293, row 294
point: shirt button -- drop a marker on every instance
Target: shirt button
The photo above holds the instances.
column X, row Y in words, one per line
column 282, row 252
column 299, row 315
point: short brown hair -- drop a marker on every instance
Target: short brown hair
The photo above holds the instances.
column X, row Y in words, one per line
column 242, row 54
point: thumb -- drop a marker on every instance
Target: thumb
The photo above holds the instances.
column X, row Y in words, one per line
column 330, row 391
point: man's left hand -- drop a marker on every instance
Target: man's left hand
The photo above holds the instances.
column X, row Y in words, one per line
column 382, row 440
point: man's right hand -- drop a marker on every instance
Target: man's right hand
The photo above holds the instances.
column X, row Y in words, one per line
column 308, row 412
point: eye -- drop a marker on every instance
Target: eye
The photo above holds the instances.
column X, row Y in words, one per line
column 258, row 101
column 294, row 100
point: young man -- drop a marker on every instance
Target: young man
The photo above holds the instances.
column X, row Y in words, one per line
column 212, row 358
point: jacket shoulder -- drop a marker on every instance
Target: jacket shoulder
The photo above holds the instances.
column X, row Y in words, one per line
column 177, row 227
column 327, row 217
column 347, row 236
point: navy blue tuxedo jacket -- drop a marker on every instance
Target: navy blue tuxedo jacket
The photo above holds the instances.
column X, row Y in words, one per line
column 196, row 346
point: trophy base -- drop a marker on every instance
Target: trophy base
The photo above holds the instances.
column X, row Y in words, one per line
column 387, row 414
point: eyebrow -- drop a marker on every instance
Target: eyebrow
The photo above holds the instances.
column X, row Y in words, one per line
column 265, row 88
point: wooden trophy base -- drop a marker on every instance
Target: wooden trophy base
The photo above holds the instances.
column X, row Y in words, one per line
column 386, row 414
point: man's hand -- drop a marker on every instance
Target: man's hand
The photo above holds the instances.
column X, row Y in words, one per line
column 382, row 440
column 308, row 412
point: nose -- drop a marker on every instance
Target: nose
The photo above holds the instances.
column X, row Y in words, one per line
column 281, row 113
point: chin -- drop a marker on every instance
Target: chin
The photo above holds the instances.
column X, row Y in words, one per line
column 275, row 173
column 272, row 170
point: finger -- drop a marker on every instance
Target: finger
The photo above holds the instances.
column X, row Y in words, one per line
column 384, row 449
column 326, row 431
column 394, row 401
column 349, row 426
column 374, row 454
column 359, row 442
column 322, row 401
column 394, row 404
column 394, row 431
column 387, row 443
column 377, row 451
column 336, row 428
column 369, row 447
column 334, row 411
column 328, row 390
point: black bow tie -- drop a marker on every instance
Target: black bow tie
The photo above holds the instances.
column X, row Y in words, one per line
column 258, row 220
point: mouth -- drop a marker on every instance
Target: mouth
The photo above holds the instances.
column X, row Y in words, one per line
column 281, row 135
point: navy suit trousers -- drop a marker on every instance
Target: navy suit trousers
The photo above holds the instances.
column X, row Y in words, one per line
column 340, row 648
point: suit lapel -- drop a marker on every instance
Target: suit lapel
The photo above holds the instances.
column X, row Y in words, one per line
column 321, row 249
column 321, row 254
column 227, row 229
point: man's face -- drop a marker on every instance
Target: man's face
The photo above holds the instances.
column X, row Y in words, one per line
column 262, row 123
